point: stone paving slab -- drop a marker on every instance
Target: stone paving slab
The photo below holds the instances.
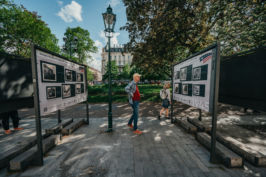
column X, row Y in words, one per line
column 163, row 150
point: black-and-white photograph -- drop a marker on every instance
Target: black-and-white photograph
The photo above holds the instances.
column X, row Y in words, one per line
column 79, row 77
column 183, row 74
column 51, row 92
column 66, row 91
column 196, row 90
column 196, row 73
column 78, row 88
column 177, row 88
column 177, row 75
column 49, row 72
column 68, row 75
column 185, row 89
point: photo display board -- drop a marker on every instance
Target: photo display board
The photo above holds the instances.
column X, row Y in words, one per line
column 61, row 83
column 194, row 79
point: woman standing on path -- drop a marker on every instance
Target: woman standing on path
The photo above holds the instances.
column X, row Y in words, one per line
column 166, row 100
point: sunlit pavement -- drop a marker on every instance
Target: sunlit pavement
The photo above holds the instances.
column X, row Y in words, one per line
column 163, row 150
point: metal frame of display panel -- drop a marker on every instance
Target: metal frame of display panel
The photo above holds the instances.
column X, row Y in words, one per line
column 214, row 90
column 39, row 159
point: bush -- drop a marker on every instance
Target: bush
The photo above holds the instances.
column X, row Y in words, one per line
column 98, row 94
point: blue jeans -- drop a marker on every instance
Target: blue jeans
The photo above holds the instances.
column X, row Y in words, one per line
column 135, row 114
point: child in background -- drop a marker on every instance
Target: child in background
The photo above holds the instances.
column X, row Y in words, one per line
column 166, row 101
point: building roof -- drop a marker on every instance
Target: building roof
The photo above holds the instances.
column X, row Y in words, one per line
column 116, row 49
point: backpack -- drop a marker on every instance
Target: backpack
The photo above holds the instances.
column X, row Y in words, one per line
column 163, row 94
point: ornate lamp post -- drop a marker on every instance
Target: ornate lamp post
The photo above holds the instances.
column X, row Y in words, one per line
column 109, row 19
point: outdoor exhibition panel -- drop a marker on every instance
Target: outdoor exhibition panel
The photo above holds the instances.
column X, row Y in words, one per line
column 242, row 79
column 194, row 79
column 60, row 82
column 16, row 90
column 195, row 82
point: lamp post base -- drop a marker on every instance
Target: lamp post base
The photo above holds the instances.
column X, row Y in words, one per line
column 109, row 130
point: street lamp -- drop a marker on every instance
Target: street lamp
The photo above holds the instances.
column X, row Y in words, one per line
column 109, row 19
column 71, row 44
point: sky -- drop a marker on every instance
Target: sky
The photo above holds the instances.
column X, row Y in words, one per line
column 60, row 14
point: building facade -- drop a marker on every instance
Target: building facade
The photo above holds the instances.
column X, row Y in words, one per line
column 119, row 55
column 97, row 76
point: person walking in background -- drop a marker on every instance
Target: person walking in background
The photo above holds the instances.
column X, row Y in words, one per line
column 134, row 98
column 166, row 101
column 5, row 121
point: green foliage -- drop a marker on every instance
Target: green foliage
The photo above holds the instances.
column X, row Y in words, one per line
column 98, row 94
column 243, row 26
column 164, row 32
column 125, row 74
column 90, row 76
column 114, row 71
column 146, row 75
column 79, row 39
column 19, row 28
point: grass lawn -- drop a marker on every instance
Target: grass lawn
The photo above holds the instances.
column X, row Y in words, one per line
column 99, row 94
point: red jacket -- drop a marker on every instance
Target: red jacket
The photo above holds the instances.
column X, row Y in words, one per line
column 136, row 96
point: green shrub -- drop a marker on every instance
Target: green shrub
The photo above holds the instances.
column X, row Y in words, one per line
column 97, row 94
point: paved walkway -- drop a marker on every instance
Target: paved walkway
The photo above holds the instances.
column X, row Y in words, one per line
column 163, row 150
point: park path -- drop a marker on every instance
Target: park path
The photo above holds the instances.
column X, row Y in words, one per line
column 163, row 150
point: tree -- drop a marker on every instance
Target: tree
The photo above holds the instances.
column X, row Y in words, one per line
column 163, row 32
column 90, row 76
column 243, row 26
column 80, row 39
column 148, row 75
column 114, row 71
column 125, row 74
column 19, row 28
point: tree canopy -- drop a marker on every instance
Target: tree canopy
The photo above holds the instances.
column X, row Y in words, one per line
column 80, row 39
column 19, row 28
column 114, row 71
column 162, row 32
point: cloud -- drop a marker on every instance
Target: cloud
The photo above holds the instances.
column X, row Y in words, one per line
column 60, row 3
column 113, row 3
column 96, row 61
column 70, row 12
column 114, row 40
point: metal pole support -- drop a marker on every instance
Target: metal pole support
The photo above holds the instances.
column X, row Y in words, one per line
column 172, row 103
column 200, row 118
column 39, row 159
column 87, row 113
column 213, row 158
column 59, row 116
column 110, row 121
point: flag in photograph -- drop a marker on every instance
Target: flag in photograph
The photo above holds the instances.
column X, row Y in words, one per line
column 206, row 57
